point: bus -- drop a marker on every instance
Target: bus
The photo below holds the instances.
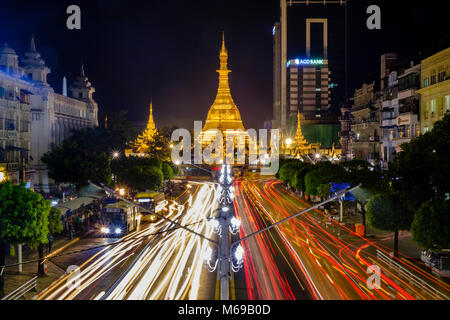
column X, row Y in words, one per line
column 118, row 219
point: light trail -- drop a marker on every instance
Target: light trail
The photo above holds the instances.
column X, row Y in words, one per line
column 169, row 267
column 332, row 259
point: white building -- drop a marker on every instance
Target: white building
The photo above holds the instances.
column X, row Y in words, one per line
column 53, row 116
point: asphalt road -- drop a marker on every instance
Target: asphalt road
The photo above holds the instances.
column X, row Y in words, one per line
column 331, row 260
column 157, row 261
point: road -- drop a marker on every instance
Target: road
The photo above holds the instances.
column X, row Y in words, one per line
column 269, row 271
column 328, row 258
column 159, row 261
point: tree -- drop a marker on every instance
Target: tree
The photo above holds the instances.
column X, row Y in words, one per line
column 138, row 173
column 23, row 219
column 54, row 221
column 298, row 179
column 386, row 212
column 324, row 191
column 323, row 173
column 420, row 171
column 79, row 159
column 167, row 171
column 117, row 132
column 431, row 225
column 372, row 182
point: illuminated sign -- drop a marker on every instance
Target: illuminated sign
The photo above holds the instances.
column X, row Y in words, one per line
column 336, row 187
column 307, row 62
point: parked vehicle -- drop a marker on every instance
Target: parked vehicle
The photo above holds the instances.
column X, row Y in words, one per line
column 438, row 262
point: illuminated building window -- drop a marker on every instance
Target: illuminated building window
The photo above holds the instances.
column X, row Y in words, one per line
column 426, row 82
column 433, row 106
column 447, row 103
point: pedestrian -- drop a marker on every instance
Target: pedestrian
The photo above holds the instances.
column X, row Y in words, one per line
column 50, row 242
column 70, row 230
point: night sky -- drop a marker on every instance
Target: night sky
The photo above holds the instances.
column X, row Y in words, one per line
column 167, row 51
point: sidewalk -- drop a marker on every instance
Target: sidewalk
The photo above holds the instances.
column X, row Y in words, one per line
column 14, row 279
column 386, row 238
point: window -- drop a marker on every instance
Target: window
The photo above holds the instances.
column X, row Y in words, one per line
column 441, row 75
column 10, row 125
column 433, row 78
column 426, row 129
column 80, row 95
column 2, row 92
column 433, row 106
column 446, row 106
column 25, row 126
column 426, row 82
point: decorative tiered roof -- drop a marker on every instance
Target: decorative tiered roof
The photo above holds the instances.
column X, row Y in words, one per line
column 141, row 144
column 223, row 113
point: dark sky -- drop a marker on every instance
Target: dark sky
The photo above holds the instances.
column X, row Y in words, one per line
column 168, row 50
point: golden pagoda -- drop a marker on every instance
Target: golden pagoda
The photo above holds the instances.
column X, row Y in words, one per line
column 224, row 114
column 300, row 145
column 141, row 145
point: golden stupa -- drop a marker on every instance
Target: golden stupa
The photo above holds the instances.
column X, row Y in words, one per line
column 141, row 145
column 300, row 145
column 224, row 114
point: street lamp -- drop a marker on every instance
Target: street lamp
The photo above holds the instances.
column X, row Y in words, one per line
column 288, row 142
column 115, row 154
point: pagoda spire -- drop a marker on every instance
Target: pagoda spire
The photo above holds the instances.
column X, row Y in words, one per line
column 299, row 138
column 32, row 44
column 151, row 123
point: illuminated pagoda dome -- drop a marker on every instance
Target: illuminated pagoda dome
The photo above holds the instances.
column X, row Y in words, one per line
column 141, row 145
column 224, row 114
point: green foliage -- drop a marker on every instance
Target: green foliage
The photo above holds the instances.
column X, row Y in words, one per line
column 23, row 215
column 292, row 172
column 118, row 132
column 386, row 212
column 324, row 191
column 323, row 173
column 79, row 159
column 136, row 173
column 167, row 171
column 431, row 225
column 422, row 168
column 54, row 221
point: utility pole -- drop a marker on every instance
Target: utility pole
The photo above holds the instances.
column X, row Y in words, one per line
column 224, row 247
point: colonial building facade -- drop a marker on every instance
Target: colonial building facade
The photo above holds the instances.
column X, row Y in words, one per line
column 435, row 89
column 33, row 117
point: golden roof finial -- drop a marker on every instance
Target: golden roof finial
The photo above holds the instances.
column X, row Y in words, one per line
column 223, row 55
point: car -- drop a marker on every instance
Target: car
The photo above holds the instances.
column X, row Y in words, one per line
column 148, row 217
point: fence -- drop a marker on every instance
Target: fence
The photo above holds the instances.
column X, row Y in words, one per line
column 22, row 290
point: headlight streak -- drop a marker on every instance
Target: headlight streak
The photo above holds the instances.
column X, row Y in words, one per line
column 161, row 271
column 178, row 247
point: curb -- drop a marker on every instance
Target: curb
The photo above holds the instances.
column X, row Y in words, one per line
column 57, row 251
